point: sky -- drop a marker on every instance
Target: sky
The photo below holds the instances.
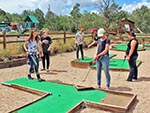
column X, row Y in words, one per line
column 64, row 7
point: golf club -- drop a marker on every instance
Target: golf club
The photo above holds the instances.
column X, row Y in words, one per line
column 89, row 69
column 122, row 66
column 27, row 63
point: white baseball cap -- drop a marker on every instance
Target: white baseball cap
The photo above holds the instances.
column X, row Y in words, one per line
column 101, row 32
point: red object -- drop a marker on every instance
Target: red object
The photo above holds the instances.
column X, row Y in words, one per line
column 94, row 30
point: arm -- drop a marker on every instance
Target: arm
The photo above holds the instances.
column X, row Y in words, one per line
column 40, row 49
column 25, row 47
column 50, row 42
column 94, row 42
column 103, row 52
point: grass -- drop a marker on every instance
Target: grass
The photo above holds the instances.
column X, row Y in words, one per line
column 57, row 46
column 12, row 49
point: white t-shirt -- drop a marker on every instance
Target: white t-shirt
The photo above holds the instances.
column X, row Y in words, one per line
column 32, row 46
column 79, row 38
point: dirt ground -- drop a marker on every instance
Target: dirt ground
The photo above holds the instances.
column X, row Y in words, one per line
column 61, row 69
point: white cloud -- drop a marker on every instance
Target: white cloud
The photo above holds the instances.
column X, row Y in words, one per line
column 131, row 7
column 59, row 7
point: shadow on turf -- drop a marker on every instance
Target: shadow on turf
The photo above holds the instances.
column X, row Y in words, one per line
column 120, row 88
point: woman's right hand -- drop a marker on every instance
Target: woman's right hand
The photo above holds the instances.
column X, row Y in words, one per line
column 27, row 52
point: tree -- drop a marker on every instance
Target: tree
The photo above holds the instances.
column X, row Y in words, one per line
column 40, row 16
column 142, row 18
column 75, row 14
column 63, row 23
column 26, row 13
column 91, row 20
column 14, row 17
column 3, row 16
column 108, row 9
column 50, row 20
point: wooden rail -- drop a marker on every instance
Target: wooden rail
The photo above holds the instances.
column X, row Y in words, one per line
column 55, row 38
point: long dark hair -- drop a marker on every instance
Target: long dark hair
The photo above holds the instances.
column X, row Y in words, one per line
column 31, row 36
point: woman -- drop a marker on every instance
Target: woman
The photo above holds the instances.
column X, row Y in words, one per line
column 95, row 37
column 33, row 49
column 131, row 55
column 46, row 42
column 102, row 56
column 79, row 43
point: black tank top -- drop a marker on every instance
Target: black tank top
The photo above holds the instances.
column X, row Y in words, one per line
column 135, row 53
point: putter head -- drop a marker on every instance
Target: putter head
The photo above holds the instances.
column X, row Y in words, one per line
column 91, row 63
column 89, row 67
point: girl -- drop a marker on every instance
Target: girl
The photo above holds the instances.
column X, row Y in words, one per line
column 33, row 49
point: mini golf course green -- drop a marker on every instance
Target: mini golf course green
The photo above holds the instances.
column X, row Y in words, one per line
column 119, row 64
column 146, row 45
column 63, row 97
column 86, row 62
column 90, row 59
column 123, row 47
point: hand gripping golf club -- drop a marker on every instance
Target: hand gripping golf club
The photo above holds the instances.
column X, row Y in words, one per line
column 89, row 69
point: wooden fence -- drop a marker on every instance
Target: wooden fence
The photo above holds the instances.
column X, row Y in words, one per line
column 5, row 36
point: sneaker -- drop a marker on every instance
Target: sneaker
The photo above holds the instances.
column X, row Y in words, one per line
column 29, row 77
column 129, row 80
column 134, row 79
column 40, row 80
column 77, row 59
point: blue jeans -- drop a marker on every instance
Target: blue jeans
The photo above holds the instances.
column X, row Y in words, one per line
column 103, row 63
column 133, row 74
column 34, row 63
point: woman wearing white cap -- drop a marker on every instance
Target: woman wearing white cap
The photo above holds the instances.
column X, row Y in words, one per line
column 102, row 57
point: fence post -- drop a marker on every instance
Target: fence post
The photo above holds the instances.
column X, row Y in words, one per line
column 64, row 36
column 4, row 40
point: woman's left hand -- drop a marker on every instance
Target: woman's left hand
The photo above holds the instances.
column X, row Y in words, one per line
column 96, row 57
column 128, row 58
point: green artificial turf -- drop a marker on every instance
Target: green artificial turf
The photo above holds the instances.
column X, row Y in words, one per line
column 90, row 59
column 147, row 45
column 123, row 47
column 118, row 64
column 63, row 98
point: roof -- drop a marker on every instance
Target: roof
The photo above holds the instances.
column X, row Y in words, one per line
column 31, row 18
column 126, row 20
